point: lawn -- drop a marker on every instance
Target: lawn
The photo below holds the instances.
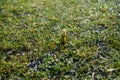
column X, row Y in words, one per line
column 30, row 39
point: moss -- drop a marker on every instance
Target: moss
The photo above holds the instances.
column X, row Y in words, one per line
column 30, row 34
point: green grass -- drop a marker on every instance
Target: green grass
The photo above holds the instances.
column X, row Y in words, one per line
column 33, row 28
